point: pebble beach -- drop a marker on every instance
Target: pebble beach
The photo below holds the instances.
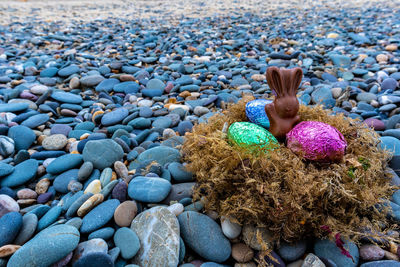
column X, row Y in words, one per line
column 96, row 98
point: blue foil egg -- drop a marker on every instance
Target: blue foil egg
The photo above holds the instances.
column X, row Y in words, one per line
column 255, row 112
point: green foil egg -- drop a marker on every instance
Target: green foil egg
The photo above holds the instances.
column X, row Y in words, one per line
column 247, row 134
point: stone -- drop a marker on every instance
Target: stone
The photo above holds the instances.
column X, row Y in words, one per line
column 64, row 163
column 67, row 71
column 204, row 236
column 5, row 169
column 179, row 172
column 91, row 80
column 7, row 204
column 176, row 208
column 95, row 259
column 103, row 233
column 58, row 241
column 160, row 154
column 242, row 253
column 389, row 84
column 8, row 250
column 99, row 216
column 127, row 241
column 26, row 193
column 89, row 204
column 94, row 187
column 230, row 229
column 29, row 224
column 371, row 252
column 293, row 251
column 10, row 224
column 23, row 137
column 179, row 192
column 22, row 173
column 66, row 97
column 54, row 142
column 125, row 213
column 102, row 153
column 158, row 232
column 378, row 125
column 391, row 144
column 149, row 189
column 6, row 146
column 325, row 248
column 96, row 245
column 62, row 181
column 312, row 261
column 49, row 218
column 250, row 233
column 35, row 120
column 383, row 263
column 85, row 170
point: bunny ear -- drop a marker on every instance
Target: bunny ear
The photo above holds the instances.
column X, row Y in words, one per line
column 296, row 76
column 274, row 80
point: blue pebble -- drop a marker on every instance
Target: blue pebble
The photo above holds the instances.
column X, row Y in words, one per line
column 149, row 189
column 10, row 224
column 64, row 163
column 23, row 137
column 22, row 173
column 328, row 249
column 99, row 216
column 160, row 154
column 35, row 120
column 179, row 173
column 61, row 181
column 66, row 97
column 94, row 259
column 103, row 233
column 5, row 169
column 204, row 236
column 114, row 116
column 49, row 218
column 127, row 241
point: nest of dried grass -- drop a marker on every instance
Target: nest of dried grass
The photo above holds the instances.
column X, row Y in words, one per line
column 292, row 197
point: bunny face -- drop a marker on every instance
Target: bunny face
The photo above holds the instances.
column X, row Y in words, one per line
column 286, row 107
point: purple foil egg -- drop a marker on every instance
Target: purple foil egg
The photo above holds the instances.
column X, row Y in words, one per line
column 316, row 141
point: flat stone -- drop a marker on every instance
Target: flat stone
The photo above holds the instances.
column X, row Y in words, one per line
column 327, row 249
column 90, row 246
column 10, row 224
column 127, row 241
column 158, row 232
column 99, row 216
column 64, row 163
column 102, row 153
column 35, row 120
column 204, row 236
column 160, row 154
column 149, row 189
column 62, row 180
column 23, row 137
column 29, row 223
column 54, row 142
column 91, row 80
column 58, row 241
column 114, row 116
column 5, row 169
column 66, row 97
column 22, row 173
column 125, row 213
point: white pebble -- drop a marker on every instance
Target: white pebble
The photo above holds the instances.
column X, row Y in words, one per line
column 176, row 208
column 231, row 230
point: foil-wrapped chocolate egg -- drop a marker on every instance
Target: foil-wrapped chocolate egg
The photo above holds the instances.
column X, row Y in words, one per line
column 249, row 134
column 316, row 141
column 255, row 112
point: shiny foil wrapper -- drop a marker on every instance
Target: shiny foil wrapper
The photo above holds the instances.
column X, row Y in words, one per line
column 255, row 112
column 249, row 134
column 317, row 141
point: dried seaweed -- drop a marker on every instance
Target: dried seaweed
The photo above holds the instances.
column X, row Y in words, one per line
column 292, row 197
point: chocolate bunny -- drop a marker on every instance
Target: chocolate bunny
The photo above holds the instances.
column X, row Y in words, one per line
column 282, row 113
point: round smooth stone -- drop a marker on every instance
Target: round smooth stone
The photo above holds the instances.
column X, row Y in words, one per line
column 58, row 241
column 13, row 107
column 66, row 97
column 85, row 170
column 293, row 251
column 99, row 216
column 125, row 213
column 5, row 169
column 62, row 180
column 90, row 246
column 378, row 125
column 67, row 71
column 114, row 116
column 43, row 198
column 179, row 173
column 60, row 129
column 23, row 137
column 389, row 84
column 106, row 85
column 91, row 80
column 149, row 189
column 391, row 144
column 75, row 222
column 6, row 146
column 327, row 249
column 49, row 218
column 29, row 223
column 35, row 120
column 119, row 191
column 10, row 224
column 64, row 163
column 127, row 87
column 54, row 142
column 22, row 173
column 102, row 153
column 104, row 233
column 230, row 229
column 160, row 154
column 204, row 236
column 127, row 241
column 77, row 204
column 95, row 259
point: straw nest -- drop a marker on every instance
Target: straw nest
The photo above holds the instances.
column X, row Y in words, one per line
column 292, row 197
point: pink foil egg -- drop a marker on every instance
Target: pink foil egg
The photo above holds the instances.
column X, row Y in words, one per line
column 316, row 141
